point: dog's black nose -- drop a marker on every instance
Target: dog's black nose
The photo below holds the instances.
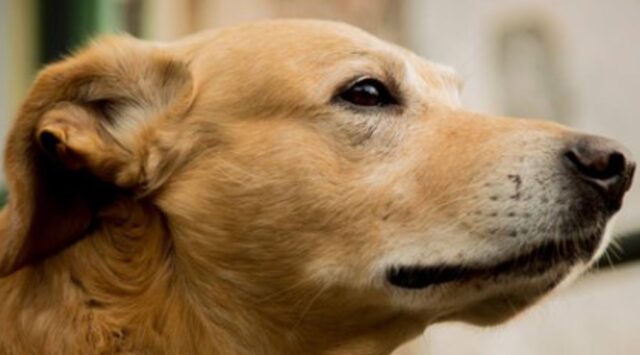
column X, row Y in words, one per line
column 604, row 164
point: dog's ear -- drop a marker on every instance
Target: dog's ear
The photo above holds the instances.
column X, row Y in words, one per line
column 89, row 128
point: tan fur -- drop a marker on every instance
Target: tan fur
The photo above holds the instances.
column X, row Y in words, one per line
column 207, row 197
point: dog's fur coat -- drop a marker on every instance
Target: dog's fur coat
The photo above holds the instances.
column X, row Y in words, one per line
column 214, row 196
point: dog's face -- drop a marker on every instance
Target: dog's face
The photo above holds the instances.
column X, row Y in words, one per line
column 316, row 172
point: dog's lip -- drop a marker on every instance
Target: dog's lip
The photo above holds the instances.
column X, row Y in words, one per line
column 536, row 261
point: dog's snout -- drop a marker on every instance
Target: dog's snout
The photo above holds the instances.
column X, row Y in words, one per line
column 604, row 164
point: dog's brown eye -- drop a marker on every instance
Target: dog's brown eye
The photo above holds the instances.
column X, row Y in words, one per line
column 368, row 92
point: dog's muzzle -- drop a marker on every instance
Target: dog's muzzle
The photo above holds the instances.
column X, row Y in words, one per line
column 599, row 172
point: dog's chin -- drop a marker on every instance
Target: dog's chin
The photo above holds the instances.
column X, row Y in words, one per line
column 489, row 293
column 538, row 260
column 510, row 296
column 495, row 310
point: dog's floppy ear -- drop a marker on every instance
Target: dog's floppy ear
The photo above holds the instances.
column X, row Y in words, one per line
column 88, row 129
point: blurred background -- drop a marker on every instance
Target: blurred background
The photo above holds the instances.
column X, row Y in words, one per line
column 576, row 62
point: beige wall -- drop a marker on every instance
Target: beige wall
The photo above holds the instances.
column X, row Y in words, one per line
column 18, row 59
column 4, row 60
column 171, row 19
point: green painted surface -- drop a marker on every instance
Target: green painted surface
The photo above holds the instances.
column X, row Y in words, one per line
column 68, row 24
column 3, row 197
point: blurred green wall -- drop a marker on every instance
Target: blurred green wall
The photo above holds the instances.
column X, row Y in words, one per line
column 67, row 24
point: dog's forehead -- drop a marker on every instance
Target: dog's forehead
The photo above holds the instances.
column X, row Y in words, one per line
column 317, row 49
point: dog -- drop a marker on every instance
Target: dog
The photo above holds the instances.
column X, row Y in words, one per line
column 283, row 187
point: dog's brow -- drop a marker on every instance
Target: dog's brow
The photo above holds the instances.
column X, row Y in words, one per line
column 381, row 62
column 413, row 77
column 360, row 53
column 450, row 74
column 378, row 57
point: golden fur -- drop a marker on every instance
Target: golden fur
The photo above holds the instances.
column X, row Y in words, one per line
column 208, row 197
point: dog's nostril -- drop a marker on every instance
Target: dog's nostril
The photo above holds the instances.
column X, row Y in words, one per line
column 603, row 163
column 616, row 166
column 601, row 166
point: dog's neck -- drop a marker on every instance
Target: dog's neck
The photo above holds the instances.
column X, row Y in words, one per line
column 121, row 288
column 260, row 314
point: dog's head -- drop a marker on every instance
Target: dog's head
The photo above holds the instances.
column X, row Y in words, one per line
column 312, row 171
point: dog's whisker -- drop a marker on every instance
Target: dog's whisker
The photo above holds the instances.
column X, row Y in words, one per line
column 282, row 292
column 306, row 309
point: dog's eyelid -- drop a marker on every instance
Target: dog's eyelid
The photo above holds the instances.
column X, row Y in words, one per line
column 367, row 92
column 362, row 77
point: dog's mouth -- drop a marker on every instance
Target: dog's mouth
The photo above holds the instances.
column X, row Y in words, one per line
column 534, row 262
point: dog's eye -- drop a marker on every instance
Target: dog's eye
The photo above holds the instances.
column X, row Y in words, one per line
column 368, row 92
